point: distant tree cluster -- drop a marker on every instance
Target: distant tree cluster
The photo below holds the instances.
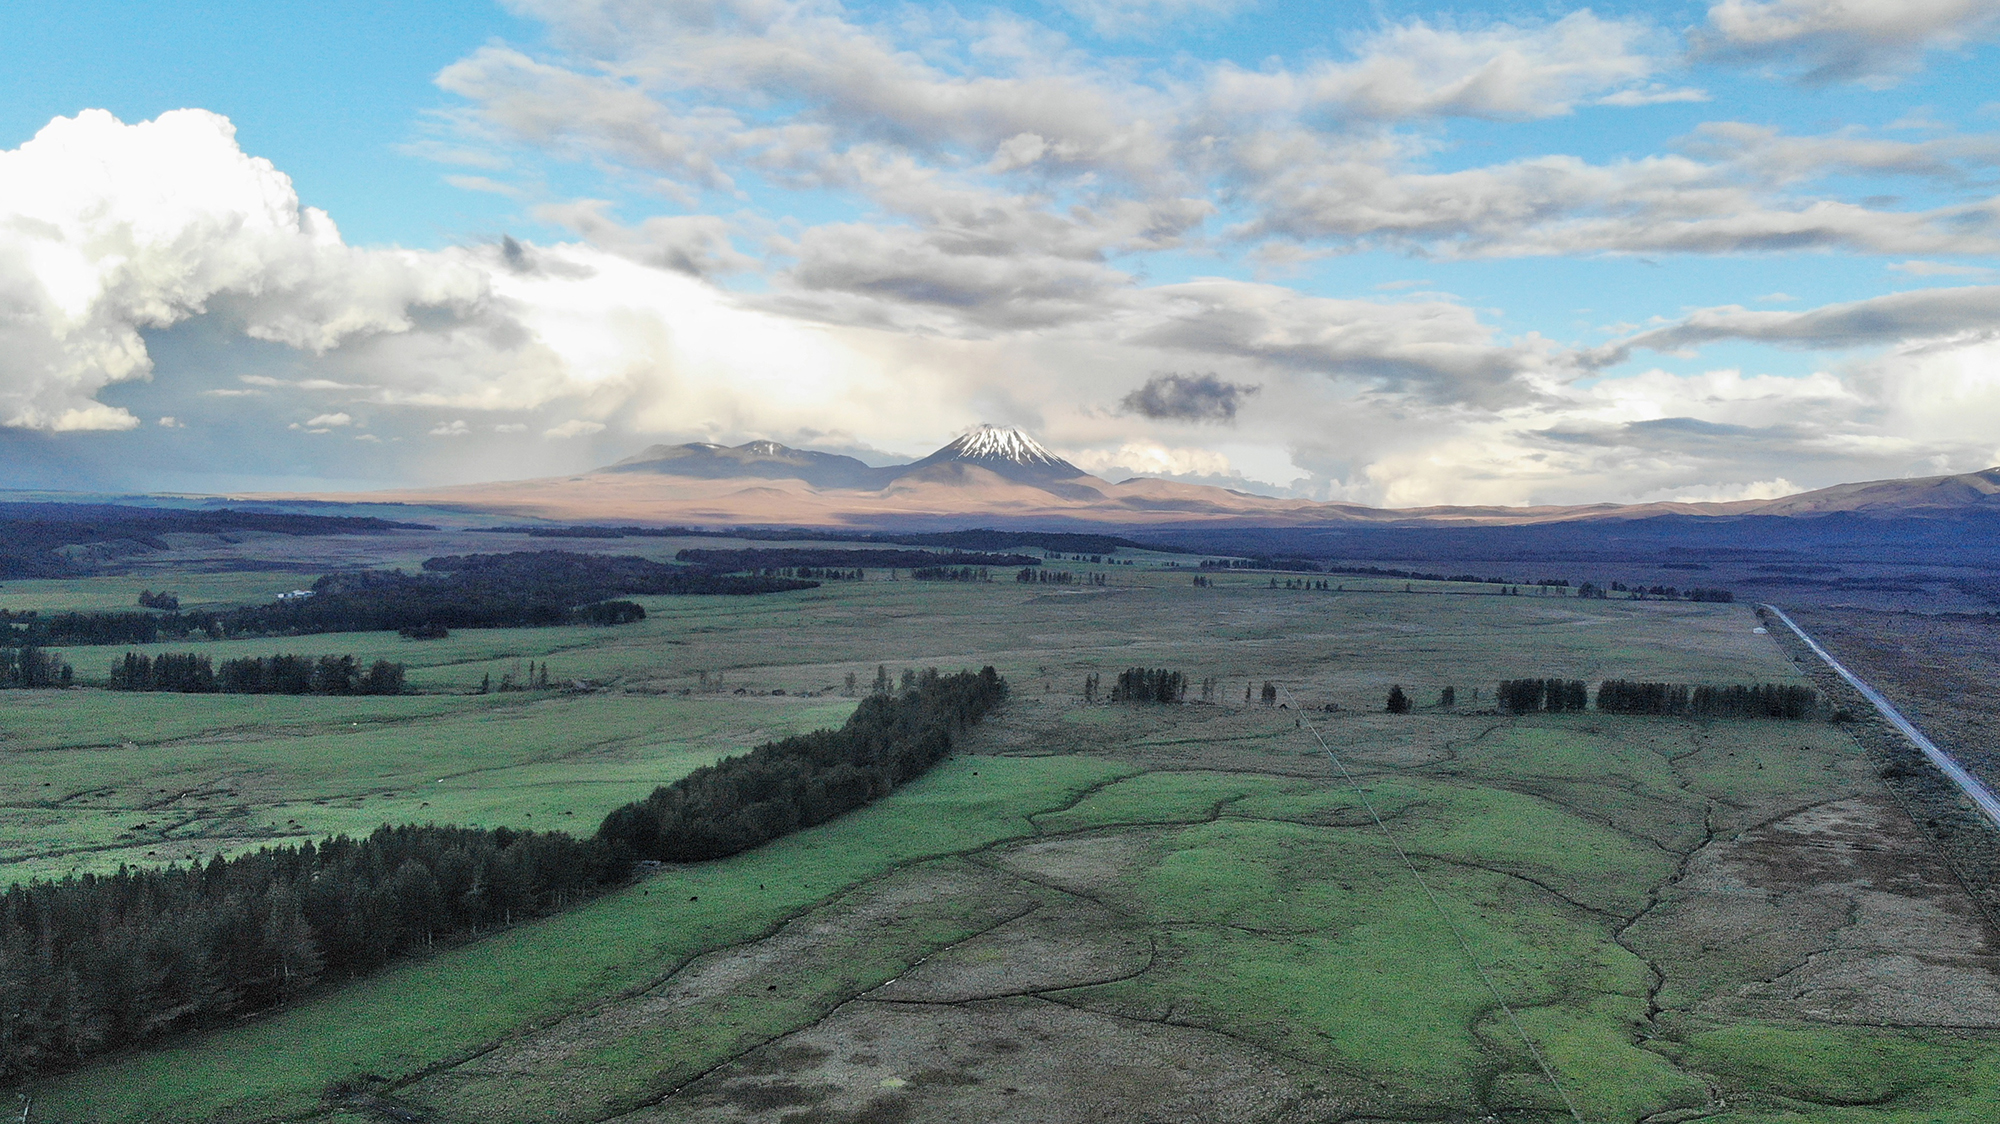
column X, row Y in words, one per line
column 1048, row 577
column 1091, row 683
column 1527, row 696
column 608, row 613
column 1203, row 581
column 951, row 574
column 779, row 787
column 99, row 963
column 256, row 675
column 1767, row 700
column 1149, row 685
column 1399, row 703
column 33, row 667
column 162, row 600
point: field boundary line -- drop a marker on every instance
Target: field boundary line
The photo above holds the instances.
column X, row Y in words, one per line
column 1974, row 790
column 1464, row 944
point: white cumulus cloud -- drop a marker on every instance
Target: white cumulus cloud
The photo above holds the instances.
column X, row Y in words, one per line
column 1874, row 41
column 108, row 229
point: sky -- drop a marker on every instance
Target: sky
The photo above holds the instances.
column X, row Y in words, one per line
column 1392, row 253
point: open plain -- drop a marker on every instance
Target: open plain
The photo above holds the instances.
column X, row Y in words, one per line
column 1225, row 910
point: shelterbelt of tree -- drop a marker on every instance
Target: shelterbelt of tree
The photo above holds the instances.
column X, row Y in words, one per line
column 521, row 589
column 93, row 964
column 785, row 785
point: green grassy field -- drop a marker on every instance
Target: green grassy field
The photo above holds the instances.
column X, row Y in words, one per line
column 452, row 1004
column 1597, row 867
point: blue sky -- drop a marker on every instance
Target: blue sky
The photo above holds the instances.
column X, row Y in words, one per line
column 1409, row 243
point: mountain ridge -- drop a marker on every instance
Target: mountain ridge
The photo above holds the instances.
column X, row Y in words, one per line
column 995, row 473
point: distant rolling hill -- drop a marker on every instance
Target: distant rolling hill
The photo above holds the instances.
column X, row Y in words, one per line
column 995, row 475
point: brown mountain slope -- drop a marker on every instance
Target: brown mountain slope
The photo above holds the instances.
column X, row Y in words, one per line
column 964, row 492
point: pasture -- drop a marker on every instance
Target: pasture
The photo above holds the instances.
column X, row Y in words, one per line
column 1095, row 911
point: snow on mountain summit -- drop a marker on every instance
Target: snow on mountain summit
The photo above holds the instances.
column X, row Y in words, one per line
column 1004, row 443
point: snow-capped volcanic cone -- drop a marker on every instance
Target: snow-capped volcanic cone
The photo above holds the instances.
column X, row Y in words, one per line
column 1002, row 450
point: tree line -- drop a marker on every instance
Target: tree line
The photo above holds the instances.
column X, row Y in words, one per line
column 98, row 963
column 1678, row 700
column 522, row 589
column 1763, row 700
column 779, row 787
column 194, row 673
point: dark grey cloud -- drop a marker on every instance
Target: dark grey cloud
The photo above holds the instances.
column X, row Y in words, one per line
column 1195, row 398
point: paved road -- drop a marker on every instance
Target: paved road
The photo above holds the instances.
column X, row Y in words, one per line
column 1967, row 783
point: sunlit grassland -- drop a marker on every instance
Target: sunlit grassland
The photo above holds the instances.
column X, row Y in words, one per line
column 83, row 793
column 1283, row 917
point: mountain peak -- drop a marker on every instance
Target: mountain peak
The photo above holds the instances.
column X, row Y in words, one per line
column 1002, row 443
